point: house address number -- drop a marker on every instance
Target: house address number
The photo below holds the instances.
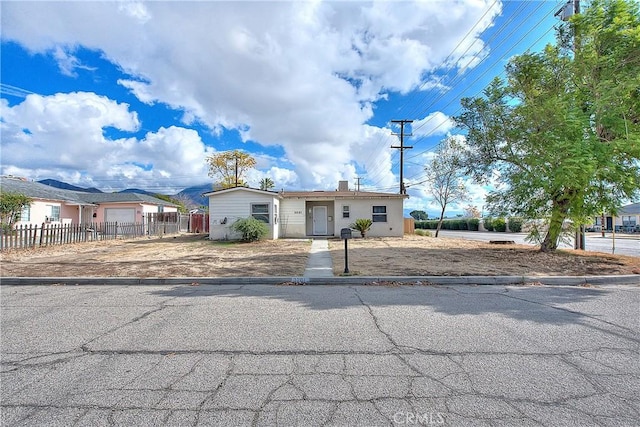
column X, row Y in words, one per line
column 297, row 212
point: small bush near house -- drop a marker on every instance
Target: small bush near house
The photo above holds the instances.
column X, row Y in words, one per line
column 250, row 228
column 515, row 224
column 500, row 225
column 473, row 224
column 362, row 225
column 421, row 232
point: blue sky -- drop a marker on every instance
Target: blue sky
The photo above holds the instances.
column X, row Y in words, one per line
column 128, row 94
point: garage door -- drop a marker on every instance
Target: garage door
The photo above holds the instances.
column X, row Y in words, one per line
column 120, row 215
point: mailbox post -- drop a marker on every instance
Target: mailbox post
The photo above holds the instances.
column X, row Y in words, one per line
column 345, row 234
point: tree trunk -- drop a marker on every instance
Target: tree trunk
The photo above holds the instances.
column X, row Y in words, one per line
column 558, row 215
column 440, row 221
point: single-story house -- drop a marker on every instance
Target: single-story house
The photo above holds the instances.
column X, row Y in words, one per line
column 56, row 205
column 291, row 214
column 627, row 220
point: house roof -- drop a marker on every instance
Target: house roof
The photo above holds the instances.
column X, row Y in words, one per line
column 36, row 190
column 124, row 198
column 310, row 195
column 334, row 195
column 632, row 209
column 234, row 189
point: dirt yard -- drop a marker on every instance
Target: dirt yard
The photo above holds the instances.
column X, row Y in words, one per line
column 427, row 256
column 182, row 256
column 194, row 256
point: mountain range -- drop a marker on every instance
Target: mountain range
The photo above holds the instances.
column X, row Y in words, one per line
column 194, row 194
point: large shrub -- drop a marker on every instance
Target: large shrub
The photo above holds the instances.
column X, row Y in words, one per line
column 515, row 224
column 250, row 228
column 473, row 224
column 488, row 223
column 500, row 224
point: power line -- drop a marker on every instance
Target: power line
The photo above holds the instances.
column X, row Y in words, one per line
column 402, row 148
column 486, row 71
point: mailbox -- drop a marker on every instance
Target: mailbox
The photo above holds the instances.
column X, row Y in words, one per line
column 345, row 233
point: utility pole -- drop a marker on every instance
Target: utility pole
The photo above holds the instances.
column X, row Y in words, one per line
column 572, row 7
column 402, row 147
column 236, row 157
column 358, row 183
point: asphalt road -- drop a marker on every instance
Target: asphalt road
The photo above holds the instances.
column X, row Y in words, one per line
column 320, row 355
column 623, row 244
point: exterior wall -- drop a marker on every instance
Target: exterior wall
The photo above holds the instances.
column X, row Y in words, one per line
column 622, row 223
column 39, row 212
column 292, row 218
column 69, row 214
column 297, row 216
column 363, row 208
column 235, row 205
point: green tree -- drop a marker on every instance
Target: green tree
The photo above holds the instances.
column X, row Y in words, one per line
column 180, row 202
column 419, row 215
column 11, row 205
column 266, row 184
column 230, row 167
column 563, row 131
column 445, row 177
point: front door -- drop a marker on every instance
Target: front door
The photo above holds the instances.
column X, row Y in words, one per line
column 319, row 220
column 609, row 223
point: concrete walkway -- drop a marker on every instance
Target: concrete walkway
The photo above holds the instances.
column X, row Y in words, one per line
column 319, row 264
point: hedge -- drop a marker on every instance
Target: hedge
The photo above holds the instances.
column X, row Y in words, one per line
column 449, row 224
column 515, row 224
column 500, row 225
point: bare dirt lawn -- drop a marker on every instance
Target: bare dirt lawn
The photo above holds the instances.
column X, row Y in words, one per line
column 427, row 256
column 182, row 256
column 195, row 256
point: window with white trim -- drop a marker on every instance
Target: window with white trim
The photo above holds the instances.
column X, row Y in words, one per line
column 54, row 213
column 25, row 214
column 345, row 211
column 260, row 211
column 379, row 214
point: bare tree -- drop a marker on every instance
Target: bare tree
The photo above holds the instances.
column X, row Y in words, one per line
column 445, row 176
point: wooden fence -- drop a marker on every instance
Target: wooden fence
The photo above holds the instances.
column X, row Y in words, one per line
column 155, row 224
column 33, row 236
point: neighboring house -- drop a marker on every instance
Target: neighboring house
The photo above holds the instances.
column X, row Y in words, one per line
column 305, row 213
column 55, row 205
column 627, row 220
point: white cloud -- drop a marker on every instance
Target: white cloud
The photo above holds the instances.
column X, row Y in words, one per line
column 301, row 75
column 436, row 123
column 49, row 136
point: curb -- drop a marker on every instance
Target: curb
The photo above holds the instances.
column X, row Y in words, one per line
column 336, row 281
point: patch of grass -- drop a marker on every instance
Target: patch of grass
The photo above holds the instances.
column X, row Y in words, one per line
column 421, row 232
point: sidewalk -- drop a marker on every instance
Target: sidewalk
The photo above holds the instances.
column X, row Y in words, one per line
column 319, row 264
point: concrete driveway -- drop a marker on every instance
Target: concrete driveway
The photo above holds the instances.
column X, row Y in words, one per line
column 325, row 355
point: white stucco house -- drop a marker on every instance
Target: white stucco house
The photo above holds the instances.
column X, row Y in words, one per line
column 291, row 214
